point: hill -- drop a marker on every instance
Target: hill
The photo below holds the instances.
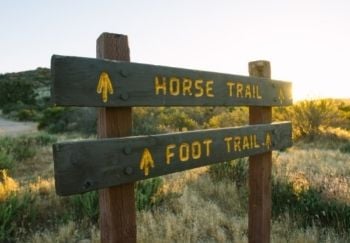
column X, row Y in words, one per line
column 38, row 77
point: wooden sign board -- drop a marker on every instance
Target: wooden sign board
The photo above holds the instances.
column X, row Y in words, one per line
column 104, row 83
column 89, row 165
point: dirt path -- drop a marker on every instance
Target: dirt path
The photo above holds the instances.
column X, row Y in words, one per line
column 14, row 128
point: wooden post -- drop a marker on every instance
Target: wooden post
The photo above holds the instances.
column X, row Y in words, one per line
column 259, row 223
column 117, row 204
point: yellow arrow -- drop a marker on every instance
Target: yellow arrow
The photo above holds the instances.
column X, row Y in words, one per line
column 104, row 86
column 268, row 141
column 281, row 96
column 146, row 161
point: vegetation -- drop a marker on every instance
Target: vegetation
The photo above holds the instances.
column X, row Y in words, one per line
column 310, row 191
column 310, row 198
column 310, row 116
column 24, row 95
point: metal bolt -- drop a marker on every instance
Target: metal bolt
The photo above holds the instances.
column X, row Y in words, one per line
column 275, row 99
column 128, row 171
column 124, row 96
column 127, row 150
column 123, row 73
column 87, row 184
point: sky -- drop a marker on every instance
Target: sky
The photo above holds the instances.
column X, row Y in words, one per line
column 306, row 42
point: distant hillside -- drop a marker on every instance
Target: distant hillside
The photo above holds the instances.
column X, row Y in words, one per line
column 24, row 87
column 39, row 77
column 25, row 96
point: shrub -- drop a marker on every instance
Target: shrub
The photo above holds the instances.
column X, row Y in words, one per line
column 147, row 193
column 159, row 120
column 309, row 116
column 53, row 119
column 146, row 121
column 85, row 205
column 235, row 170
column 62, row 119
column 235, row 117
column 27, row 115
column 11, row 91
column 308, row 207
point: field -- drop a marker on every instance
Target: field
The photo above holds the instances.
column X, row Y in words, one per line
column 209, row 204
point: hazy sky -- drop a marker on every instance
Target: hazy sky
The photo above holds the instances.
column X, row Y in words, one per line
column 307, row 42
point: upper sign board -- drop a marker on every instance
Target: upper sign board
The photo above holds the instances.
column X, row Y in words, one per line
column 94, row 82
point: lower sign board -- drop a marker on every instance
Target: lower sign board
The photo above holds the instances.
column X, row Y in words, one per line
column 93, row 164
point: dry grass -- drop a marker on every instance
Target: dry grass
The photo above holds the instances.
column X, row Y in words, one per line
column 320, row 168
column 39, row 166
column 66, row 233
column 195, row 216
column 215, row 212
column 194, row 208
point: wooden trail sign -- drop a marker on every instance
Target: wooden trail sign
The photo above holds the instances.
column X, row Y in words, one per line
column 114, row 164
column 93, row 82
column 89, row 165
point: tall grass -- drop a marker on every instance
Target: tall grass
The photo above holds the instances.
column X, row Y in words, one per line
column 310, row 201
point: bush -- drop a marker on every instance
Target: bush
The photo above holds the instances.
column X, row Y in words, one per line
column 309, row 116
column 160, row 120
column 53, row 119
column 146, row 121
column 85, row 205
column 235, row 117
column 27, row 115
column 308, row 207
column 235, row 170
column 62, row 119
column 11, row 91
column 147, row 192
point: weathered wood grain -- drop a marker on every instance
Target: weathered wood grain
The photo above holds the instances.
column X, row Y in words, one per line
column 88, row 165
column 259, row 215
column 117, row 204
column 75, row 81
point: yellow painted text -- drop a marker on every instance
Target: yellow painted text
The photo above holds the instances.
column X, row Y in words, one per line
column 241, row 143
column 175, row 86
column 188, row 151
column 242, row 90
